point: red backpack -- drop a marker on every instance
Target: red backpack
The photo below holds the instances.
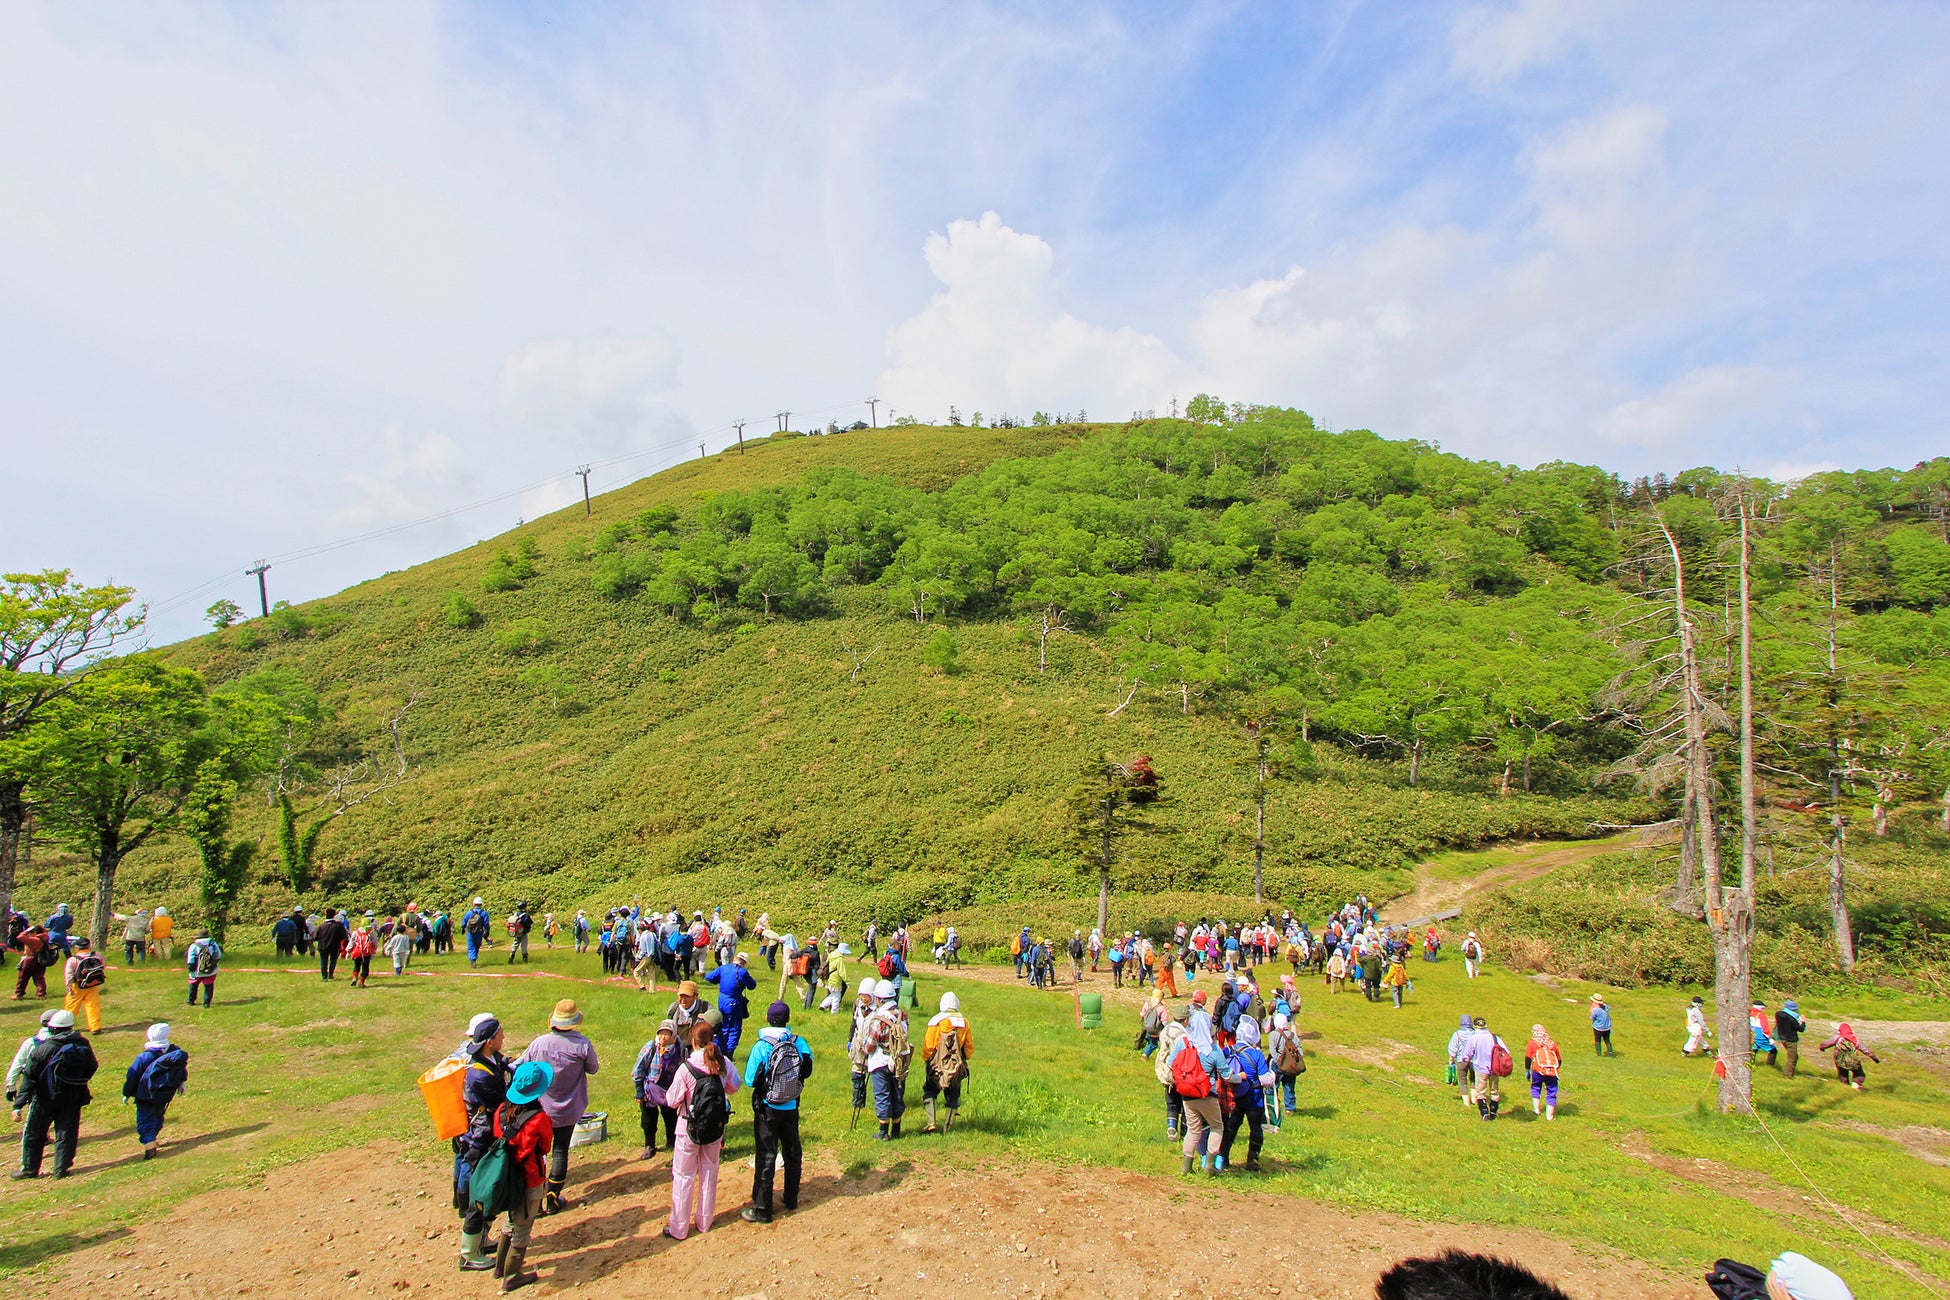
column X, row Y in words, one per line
column 1188, row 1076
column 1500, row 1062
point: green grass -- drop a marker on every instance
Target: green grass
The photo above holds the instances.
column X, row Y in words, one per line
column 286, row 1068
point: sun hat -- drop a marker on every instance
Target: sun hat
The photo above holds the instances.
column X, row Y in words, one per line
column 844, row 950
column 531, row 1080
column 1803, row 1279
column 61, row 1020
column 479, row 901
column 158, row 1036
column 1479, row 1023
column 778, row 1014
column 566, row 1015
column 1198, row 997
column 48, row 1015
column 1599, row 997
column 671, row 1025
column 949, row 1002
column 743, row 959
column 688, row 986
column 884, row 990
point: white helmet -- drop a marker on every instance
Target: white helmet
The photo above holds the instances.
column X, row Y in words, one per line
column 949, row 1002
column 884, row 990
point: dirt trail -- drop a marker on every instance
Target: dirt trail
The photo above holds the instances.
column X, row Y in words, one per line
column 370, row 1223
column 1432, row 897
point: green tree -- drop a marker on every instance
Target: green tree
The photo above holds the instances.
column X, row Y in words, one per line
column 941, row 653
column 1105, row 806
column 222, row 614
column 206, row 821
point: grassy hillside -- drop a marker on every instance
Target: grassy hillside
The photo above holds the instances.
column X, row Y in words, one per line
column 578, row 749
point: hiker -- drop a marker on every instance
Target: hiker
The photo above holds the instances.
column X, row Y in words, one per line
column 686, row 1011
column 888, row 1054
column 52, row 1090
column 1543, row 1063
column 1166, row 979
column 60, row 924
column 158, row 1072
column 359, row 949
column 1788, row 1028
column 519, row 924
column 700, row 1096
column 655, row 1070
column 1198, row 1070
column 524, row 1124
column 734, row 982
column 776, row 1071
column 1076, row 949
column 443, row 933
column 1254, row 1074
column 135, row 936
column 37, row 953
column 1472, row 951
column 946, row 1047
column 645, row 966
column 162, row 933
column 284, row 933
column 1458, row 1275
column 1763, row 1041
column 1697, row 1031
column 1289, row 1061
column 1019, row 950
column 1796, row 1277
column 580, row 929
column 474, row 924
column 483, row 1089
column 1848, row 1056
column 18, row 1069
column 1151, row 1024
column 400, row 948
column 571, row 1059
column 1601, row 1026
column 1096, row 948
column 1397, row 980
column 1170, row 1038
column 548, row 929
column 1461, row 1072
column 1489, row 1061
column 836, row 978
column 1336, row 979
column 332, row 936
column 200, row 960
column 84, row 975
column 1117, row 964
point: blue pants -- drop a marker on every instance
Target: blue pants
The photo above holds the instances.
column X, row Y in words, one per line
column 728, row 1035
column 473, row 947
column 889, row 1095
column 149, row 1120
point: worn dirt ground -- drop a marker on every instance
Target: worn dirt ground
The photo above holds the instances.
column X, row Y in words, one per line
column 369, row 1223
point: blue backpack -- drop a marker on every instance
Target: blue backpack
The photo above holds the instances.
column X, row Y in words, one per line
column 164, row 1076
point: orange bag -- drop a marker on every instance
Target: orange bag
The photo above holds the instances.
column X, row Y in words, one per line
column 443, row 1086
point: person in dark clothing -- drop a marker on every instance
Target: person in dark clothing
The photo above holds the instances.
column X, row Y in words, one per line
column 518, row 927
column 37, row 953
column 483, row 1089
column 52, row 1091
column 1788, row 1028
column 656, row 1070
column 775, row 1109
column 158, row 1072
column 331, row 938
column 285, row 935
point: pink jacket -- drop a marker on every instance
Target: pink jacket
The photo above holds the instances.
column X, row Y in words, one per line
column 678, row 1096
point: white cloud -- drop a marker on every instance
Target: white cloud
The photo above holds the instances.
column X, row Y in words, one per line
column 1494, row 42
column 1695, row 405
column 606, row 391
column 410, row 479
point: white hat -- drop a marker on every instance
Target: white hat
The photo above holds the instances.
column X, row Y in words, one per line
column 884, row 990
column 949, row 1002
column 844, row 950
column 479, row 901
column 743, row 958
column 475, row 1022
column 61, row 1020
column 158, row 1036
column 161, row 910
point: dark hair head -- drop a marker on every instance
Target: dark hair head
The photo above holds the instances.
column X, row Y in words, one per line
column 704, row 1040
column 1459, row 1275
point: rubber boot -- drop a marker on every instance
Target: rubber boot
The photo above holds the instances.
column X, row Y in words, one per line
column 516, row 1276
column 948, row 1121
column 1483, row 1109
column 552, row 1198
column 1536, row 1107
column 1171, row 1130
column 882, row 1135
column 472, row 1258
column 929, row 1104
column 1495, row 1103
column 1187, row 1165
column 897, row 1130
column 1550, row 1112
column 501, row 1249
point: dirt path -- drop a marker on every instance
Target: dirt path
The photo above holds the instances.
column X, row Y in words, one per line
column 1433, row 897
column 369, row 1223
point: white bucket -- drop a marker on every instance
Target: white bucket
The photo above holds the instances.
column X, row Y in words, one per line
column 591, row 1129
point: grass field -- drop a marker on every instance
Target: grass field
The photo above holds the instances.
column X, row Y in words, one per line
column 286, row 1068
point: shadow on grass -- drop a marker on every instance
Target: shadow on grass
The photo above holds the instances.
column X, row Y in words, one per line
column 1812, row 1106
column 26, row 1254
column 1316, row 1112
column 173, row 1148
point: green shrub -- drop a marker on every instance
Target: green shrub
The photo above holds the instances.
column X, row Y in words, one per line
column 524, row 636
column 460, row 611
column 500, row 575
column 941, row 653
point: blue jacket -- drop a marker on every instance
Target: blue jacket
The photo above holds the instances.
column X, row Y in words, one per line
column 476, row 921
column 756, row 1064
column 1601, row 1017
column 733, row 981
column 1250, row 1063
column 133, row 1084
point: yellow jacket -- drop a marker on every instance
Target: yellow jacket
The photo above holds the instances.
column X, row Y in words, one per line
column 932, row 1038
column 161, row 927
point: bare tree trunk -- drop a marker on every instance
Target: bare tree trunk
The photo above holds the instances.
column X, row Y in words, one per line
column 1526, row 772
column 1837, row 863
column 1259, row 831
column 1837, row 896
column 1946, row 810
column 1734, row 945
column 1415, row 761
column 1306, row 738
column 1184, row 698
column 1103, row 865
column 1686, row 896
column 13, row 833
column 1504, row 790
column 1881, row 816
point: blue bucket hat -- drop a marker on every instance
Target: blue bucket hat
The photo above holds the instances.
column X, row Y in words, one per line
column 531, row 1080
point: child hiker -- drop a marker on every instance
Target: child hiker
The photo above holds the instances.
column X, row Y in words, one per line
column 157, row 1074
column 200, row 961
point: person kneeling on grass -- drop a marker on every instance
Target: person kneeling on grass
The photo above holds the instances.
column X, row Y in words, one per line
column 1543, row 1062
column 158, row 1072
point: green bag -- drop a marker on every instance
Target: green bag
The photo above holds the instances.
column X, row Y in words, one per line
column 491, row 1187
column 1449, row 1076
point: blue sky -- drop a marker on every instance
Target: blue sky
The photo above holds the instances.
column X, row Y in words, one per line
column 272, row 277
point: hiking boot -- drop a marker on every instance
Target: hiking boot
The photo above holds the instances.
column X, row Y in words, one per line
column 1495, row 1104
column 1252, row 1164
column 1171, row 1131
column 649, row 1153
column 1188, row 1165
column 22, row 1173
column 750, row 1214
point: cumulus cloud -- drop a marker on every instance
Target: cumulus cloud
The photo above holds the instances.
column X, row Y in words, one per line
column 606, row 390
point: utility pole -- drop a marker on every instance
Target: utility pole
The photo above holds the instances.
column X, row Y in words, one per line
column 785, row 422
column 700, row 451
column 263, row 598
column 740, row 426
column 873, row 414
column 584, row 471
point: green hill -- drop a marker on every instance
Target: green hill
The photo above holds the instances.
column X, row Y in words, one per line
column 809, row 678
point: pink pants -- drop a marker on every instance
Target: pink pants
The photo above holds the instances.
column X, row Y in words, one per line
column 693, row 1171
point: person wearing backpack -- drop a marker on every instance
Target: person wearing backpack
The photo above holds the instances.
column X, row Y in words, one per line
column 158, row 1072
column 655, row 1070
column 888, row 1052
column 1254, row 1075
column 1489, row 1061
column 519, row 924
column 1543, row 1062
column 1849, row 1052
column 360, row 948
column 523, row 1126
column 331, row 936
column 777, row 1070
column 701, row 1096
column 53, row 1089
column 947, row 1047
column 474, row 925
column 18, row 1070
column 1198, row 1070
column 1170, row 1038
column 200, row 961
column 36, row 955
column 84, row 976
column 484, row 1087
column 571, row 1059
column 1289, row 1060
column 1472, row 951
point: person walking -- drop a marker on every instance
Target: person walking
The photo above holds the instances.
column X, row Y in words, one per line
column 284, row 934
column 1484, row 1060
column 580, row 929
column 1849, row 1052
column 1601, row 1026
column 483, row 1090
column 83, row 975
column 654, row 1072
column 1472, row 951
column 571, row 1059
column 1254, row 1076
column 331, row 936
column 400, row 948
column 18, row 1069
column 776, row 1071
column 1397, row 980
column 135, row 936
column 474, row 925
column 1198, row 1070
column 1461, row 1072
column 1757, row 1023
column 1289, row 1061
column 733, row 981
column 359, row 949
column 52, row 1091
column 520, row 923
column 200, row 961
column 162, row 933
column 836, row 976
column 686, row 1011
column 1697, row 1031
column 1170, row 1039
column 701, row 1097
column 1336, row 976
column 37, row 952
column 645, row 967
column 1788, row 1028
column 157, row 1074
column 1076, row 951
column 888, row 1054
column 1543, row 1063
column 946, row 1049
column 524, row 1124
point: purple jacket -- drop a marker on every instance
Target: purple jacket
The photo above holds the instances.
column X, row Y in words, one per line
column 574, row 1059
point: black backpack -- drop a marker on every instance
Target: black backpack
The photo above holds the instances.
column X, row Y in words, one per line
column 91, row 973
column 1729, row 1279
column 65, row 1074
column 708, row 1113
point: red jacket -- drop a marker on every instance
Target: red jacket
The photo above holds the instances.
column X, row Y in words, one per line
column 531, row 1143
